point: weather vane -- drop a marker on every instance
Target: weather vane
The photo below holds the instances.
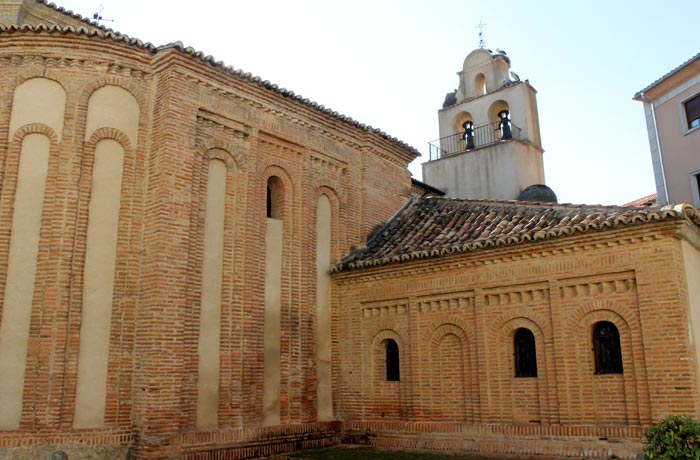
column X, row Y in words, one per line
column 482, row 43
column 98, row 16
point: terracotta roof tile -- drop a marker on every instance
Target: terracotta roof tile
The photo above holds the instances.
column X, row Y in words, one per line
column 436, row 226
column 649, row 200
column 73, row 15
column 63, row 30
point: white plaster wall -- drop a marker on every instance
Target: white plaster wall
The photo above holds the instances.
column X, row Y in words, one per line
column 498, row 172
column 691, row 265
column 38, row 100
column 210, row 315
column 323, row 309
column 112, row 106
column 494, row 68
column 271, row 330
column 108, row 107
column 98, row 287
column 21, row 274
column 521, row 102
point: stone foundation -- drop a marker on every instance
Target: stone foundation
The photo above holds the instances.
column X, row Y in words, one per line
column 584, row 441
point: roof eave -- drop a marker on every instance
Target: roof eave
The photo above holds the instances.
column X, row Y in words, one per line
column 408, row 152
column 639, row 95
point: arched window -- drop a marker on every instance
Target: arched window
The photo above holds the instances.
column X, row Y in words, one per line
column 504, row 125
column 606, row 348
column 480, row 83
column 275, row 198
column 525, row 353
column 393, row 370
column 269, row 201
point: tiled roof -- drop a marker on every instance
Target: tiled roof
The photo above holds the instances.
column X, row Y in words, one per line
column 109, row 34
column 63, row 30
column 677, row 69
column 437, row 226
column 649, row 200
column 73, row 15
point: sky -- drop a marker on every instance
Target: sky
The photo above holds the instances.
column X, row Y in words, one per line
column 389, row 64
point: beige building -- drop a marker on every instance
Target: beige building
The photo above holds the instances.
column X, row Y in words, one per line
column 672, row 111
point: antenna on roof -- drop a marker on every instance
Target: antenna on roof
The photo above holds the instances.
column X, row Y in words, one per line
column 98, row 16
column 482, row 43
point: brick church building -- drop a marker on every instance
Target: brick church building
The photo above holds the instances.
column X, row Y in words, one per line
column 197, row 264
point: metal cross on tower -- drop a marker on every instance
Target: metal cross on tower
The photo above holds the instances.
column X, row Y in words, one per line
column 482, row 43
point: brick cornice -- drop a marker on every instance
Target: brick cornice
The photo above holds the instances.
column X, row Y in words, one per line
column 208, row 73
column 256, row 95
column 110, row 73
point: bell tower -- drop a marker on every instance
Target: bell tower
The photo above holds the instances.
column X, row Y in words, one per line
column 489, row 146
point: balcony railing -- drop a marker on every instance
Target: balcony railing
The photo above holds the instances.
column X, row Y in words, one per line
column 483, row 136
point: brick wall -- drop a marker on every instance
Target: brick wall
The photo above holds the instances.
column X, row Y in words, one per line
column 188, row 109
column 454, row 319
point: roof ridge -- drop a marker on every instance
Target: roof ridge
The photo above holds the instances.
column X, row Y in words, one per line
column 487, row 201
column 106, row 33
column 72, row 14
column 426, row 231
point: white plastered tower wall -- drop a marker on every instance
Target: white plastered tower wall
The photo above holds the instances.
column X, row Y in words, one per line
column 499, row 169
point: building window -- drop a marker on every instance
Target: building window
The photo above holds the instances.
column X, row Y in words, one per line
column 525, row 353
column 695, row 187
column 692, row 112
column 480, row 83
column 606, row 348
column 393, row 371
column 269, row 201
column 275, row 198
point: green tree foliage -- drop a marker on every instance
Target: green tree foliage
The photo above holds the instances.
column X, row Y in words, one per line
column 677, row 437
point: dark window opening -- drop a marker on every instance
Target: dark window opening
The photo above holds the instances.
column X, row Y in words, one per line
column 269, row 201
column 393, row 372
column 692, row 112
column 525, row 353
column 606, row 348
column 275, row 198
